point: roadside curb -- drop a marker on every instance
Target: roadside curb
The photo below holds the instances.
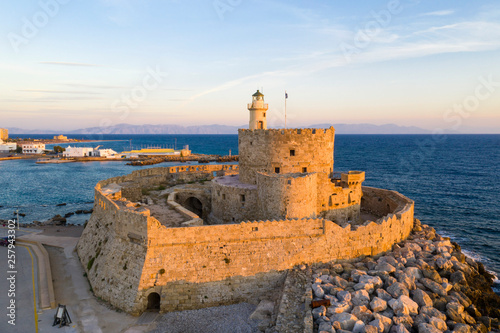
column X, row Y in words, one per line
column 45, row 286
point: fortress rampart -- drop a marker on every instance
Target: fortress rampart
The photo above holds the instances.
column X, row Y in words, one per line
column 201, row 266
column 194, row 236
column 286, row 151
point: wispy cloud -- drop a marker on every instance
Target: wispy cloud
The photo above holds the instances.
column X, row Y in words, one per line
column 92, row 86
column 176, row 89
column 62, row 63
column 439, row 13
column 233, row 83
column 59, row 91
column 393, row 43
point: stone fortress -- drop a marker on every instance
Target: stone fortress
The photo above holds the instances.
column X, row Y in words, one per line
column 194, row 236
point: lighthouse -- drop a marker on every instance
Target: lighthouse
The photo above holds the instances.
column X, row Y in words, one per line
column 258, row 112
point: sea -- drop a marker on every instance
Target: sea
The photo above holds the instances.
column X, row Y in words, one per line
column 453, row 179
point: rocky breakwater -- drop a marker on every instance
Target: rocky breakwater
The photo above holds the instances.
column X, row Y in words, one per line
column 425, row 284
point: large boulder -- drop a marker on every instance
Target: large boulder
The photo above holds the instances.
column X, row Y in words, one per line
column 404, row 305
column 453, row 315
column 359, row 327
column 438, row 323
column 427, row 328
column 433, row 275
column 375, row 280
column 459, row 308
column 400, row 328
column 421, row 298
column 362, row 313
column 318, row 312
column 378, row 305
column 461, row 328
column 385, row 267
column 443, row 263
column 346, row 320
column 432, row 312
column 406, row 279
column 361, row 297
column 318, row 291
column 433, row 286
column 458, row 278
column 382, row 323
column 381, row 293
column 356, row 274
column 340, row 282
column 337, row 268
column 326, row 327
column 371, row 329
column 397, row 289
column 369, row 287
column 405, row 320
column 337, row 307
column 344, row 296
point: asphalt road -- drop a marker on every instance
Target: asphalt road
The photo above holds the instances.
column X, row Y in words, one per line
column 25, row 280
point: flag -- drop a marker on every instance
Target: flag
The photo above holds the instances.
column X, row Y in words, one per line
column 286, row 95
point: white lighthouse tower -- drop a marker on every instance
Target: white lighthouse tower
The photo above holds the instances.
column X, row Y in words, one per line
column 258, row 112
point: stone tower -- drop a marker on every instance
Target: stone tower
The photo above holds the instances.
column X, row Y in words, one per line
column 258, row 112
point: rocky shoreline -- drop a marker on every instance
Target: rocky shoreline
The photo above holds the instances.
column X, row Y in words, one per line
column 425, row 284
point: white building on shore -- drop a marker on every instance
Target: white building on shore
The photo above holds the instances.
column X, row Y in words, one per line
column 5, row 147
column 88, row 151
column 104, row 152
column 78, row 151
column 33, row 147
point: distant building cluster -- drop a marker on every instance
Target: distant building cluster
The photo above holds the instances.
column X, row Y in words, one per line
column 60, row 138
column 153, row 151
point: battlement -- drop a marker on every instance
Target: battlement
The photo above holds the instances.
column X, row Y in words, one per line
column 288, row 131
column 281, row 151
column 353, row 177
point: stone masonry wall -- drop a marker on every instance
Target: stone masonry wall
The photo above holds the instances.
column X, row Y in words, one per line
column 112, row 250
column 215, row 253
column 287, row 196
column 233, row 203
column 265, row 150
column 141, row 256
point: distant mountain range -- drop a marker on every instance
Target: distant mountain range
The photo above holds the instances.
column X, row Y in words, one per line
column 224, row 129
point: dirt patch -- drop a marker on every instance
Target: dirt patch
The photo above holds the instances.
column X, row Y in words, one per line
column 69, row 230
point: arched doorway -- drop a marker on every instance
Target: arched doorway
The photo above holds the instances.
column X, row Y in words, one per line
column 154, row 301
column 194, row 205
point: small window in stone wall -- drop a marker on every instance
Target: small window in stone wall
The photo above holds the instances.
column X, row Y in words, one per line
column 292, row 152
column 223, row 196
column 276, row 170
column 255, row 228
column 304, row 169
column 242, row 197
column 289, row 182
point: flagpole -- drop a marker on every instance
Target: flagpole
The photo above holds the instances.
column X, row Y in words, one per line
column 286, row 96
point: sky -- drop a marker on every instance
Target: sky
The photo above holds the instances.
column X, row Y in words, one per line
column 70, row 64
